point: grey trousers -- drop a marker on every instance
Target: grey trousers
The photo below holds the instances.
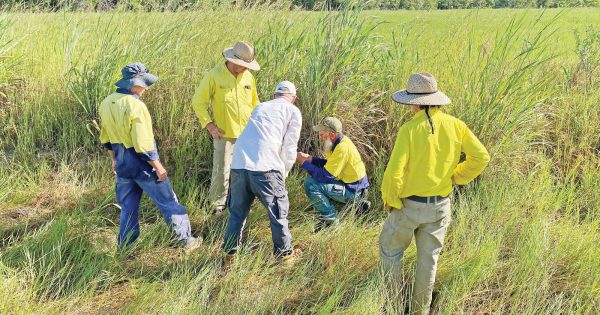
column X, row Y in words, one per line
column 269, row 187
column 428, row 223
column 219, row 183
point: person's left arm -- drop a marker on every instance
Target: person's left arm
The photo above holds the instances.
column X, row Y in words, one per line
column 290, row 140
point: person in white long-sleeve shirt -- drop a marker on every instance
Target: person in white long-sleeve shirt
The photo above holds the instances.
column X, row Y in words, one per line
column 262, row 158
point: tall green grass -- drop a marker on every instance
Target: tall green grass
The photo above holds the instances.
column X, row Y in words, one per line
column 523, row 237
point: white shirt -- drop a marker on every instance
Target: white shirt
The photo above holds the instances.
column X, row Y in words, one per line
column 270, row 139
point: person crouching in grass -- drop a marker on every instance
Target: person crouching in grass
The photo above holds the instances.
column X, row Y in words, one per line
column 340, row 177
column 417, row 183
column 126, row 132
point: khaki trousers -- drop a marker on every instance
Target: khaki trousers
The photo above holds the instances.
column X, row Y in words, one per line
column 428, row 223
column 219, row 183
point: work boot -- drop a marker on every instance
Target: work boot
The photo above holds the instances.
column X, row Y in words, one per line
column 218, row 211
column 289, row 259
column 191, row 244
column 323, row 224
column 363, row 207
column 228, row 260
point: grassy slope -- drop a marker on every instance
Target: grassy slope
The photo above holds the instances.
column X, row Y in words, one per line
column 523, row 239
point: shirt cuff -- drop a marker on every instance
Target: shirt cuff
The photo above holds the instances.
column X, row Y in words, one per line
column 205, row 123
column 309, row 167
column 318, row 161
column 149, row 156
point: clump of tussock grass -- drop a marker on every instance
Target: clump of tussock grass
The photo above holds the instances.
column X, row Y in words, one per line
column 58, row 261
column 587, row 47
column 330, row 62
column 498, row 90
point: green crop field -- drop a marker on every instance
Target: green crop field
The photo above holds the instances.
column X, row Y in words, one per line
column 524, row 237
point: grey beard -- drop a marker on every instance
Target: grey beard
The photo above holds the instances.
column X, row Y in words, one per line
column 327, row 145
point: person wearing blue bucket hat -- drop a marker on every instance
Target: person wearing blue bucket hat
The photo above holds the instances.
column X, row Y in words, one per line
column 126, row 132
column 136, row 74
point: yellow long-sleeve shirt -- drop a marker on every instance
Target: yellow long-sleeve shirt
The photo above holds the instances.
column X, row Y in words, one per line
column 125, row 120
column 426, row 164
column 230, row 99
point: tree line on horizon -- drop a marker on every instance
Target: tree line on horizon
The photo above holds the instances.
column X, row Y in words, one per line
column 177, row 5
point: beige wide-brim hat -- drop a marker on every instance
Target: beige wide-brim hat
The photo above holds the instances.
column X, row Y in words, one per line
column 422, row 89
column 242, row 54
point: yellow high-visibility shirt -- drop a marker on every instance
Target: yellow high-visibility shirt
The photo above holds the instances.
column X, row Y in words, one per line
column 425, row 164
column 230, row 99
column 125, row 120
column 344, row 163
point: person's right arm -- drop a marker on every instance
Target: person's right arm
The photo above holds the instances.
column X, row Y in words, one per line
column 201, row 102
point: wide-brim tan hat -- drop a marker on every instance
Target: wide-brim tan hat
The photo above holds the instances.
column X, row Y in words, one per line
column 242, row 54
column 421, row 89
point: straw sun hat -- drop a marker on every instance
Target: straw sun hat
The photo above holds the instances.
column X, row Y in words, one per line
column 422, row 89
column 242, row 54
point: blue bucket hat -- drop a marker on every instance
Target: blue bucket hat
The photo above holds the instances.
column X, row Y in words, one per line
column 136, row 74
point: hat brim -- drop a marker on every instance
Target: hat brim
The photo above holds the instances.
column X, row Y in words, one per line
column 434, row 99
column 230, row 56
column 319, row 128
column 145, row 81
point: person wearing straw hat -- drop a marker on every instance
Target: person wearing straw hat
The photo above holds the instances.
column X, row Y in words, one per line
column 417, row 182
column 126, row 132
column 340, row 177
column 262, row 158
column 229, row 92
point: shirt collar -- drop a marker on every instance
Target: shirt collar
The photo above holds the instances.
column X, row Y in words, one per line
column 127, row 92
column 225, row 70
column 336, row 142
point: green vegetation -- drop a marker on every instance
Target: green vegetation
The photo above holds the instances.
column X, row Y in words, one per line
column 524, row 237
column 179, row 5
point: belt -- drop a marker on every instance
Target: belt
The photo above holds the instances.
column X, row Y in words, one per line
column 429, row 199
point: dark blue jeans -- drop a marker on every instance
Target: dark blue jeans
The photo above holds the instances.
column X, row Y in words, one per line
column 129, row 193
column 269, row 187
column 319, row 194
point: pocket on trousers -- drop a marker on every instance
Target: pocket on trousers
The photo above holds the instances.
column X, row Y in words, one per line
column 283, row 206
column 164, row 190
column 444, row 211
column 273, row 183
column 395, row 235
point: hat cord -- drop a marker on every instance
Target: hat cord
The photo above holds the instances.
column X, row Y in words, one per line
column 429, row 119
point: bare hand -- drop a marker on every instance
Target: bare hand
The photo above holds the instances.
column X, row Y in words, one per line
column 388, row 208
column 161, row 172
column 159, row 169
column 114, row 167
column 301, row 157
column 215, row 132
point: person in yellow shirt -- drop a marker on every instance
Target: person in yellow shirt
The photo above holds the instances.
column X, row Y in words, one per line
column 229, row 92
column 340, row 177
column 126, row 132
column 417, row 182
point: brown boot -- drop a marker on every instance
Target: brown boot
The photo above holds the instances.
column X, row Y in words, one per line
column 290, row 259
column 228, row 260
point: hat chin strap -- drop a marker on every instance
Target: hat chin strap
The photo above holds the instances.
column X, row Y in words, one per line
column 429, row 119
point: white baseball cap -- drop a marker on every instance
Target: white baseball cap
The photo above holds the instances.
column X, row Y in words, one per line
column 286, row 87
